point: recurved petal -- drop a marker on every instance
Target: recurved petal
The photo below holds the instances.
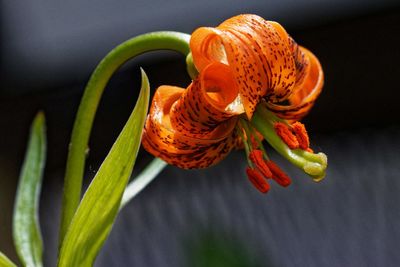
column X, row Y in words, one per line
column 206, row 46
column 307, row 89
column 194, row 128
column 257, row 54
column 205, row 109
column 198, row 154
column 183, row 151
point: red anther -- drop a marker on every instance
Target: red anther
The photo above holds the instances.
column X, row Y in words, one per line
column 278, row 175
column 255, row 139
column 254, row 143
column 301, row 133
column 286, row 135
column 257, row 180
column 256, row 156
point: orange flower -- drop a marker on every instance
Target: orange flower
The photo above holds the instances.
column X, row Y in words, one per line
column 265, row 61
column 250, row 70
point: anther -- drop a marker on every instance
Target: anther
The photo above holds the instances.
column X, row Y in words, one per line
column 254, row 143
column 286, row 135
column 256, row 156
column 278, row 175
column 257, row 179
column 301, row 133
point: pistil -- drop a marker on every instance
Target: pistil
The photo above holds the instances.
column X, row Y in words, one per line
column 313, row 164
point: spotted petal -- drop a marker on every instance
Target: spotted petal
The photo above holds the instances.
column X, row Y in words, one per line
column 194, row 128
column 257, row 52
column 307, row 89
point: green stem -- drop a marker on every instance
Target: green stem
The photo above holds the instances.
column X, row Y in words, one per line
column 313, row 164
column 190, row 67
column 84, row 119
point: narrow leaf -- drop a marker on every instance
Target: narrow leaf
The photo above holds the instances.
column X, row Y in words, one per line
column 5, row 262
column 26, row 229
column 98, row 209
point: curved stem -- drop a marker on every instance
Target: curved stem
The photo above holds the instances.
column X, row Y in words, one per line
column 84, row 119
column 190, row 67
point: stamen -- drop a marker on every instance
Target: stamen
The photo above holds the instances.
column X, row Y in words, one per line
column 245, row 143
column 257, row 138
column 278, row 175
column 251, row 136
column 256, row 156
column 268, row 124
column 301, row 133
column 254, row 143
column 257, row 180
column 286, row 135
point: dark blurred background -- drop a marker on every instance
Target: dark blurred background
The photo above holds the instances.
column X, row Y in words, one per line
column 214, row 217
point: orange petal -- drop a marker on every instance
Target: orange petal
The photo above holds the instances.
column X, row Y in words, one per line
column 308, row 87
column 193, row 128
column 257, row 54
column 204, row 109
column 195, row 155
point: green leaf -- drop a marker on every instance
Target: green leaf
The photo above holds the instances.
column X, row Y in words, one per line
column 6, row 262
column 26, row 229
column 98, row 209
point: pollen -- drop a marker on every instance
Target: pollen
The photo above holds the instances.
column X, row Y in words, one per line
column 256, row 156
column 286, row 135
column 257, row 179
column 301, row 134
column 278, row 175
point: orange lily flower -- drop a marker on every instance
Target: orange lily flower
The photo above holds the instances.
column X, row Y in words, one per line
column 254, row 81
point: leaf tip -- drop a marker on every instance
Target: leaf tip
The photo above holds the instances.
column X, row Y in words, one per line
column 40, row 118
column 145, row 88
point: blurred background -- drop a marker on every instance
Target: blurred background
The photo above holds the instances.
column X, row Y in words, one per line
column 214, row 217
